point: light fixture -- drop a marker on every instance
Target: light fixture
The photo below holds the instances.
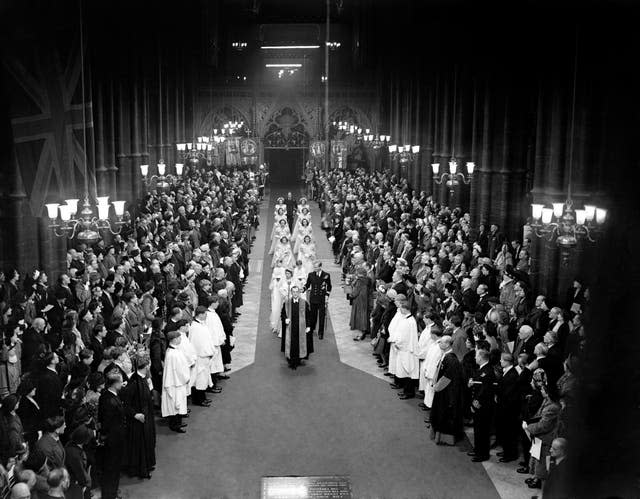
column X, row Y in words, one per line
column 64, row 219
column 333, row 45
column 239, row 46
column 404, row 154
column 453, row 177
column 292, row 65
column 162, row 179
column 289, row 47
column 567, row 225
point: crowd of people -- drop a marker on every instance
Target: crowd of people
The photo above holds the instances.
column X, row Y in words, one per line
column 451, row 314
column 134, row 327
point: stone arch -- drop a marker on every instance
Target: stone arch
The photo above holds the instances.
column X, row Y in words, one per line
column 217, row 117
column 286, row 128
column 353, row 114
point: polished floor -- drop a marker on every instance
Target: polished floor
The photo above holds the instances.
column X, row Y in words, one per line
column 326, row 418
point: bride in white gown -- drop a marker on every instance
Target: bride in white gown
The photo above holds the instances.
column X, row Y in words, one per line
column 276, row 297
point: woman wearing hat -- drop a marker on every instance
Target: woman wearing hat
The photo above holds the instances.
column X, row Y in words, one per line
column 360, row 304
column 542, row 426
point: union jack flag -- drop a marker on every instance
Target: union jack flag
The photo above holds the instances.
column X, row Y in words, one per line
column 47, row 105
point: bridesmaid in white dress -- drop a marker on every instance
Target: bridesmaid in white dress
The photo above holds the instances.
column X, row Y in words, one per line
column 307, row 253
column 304, row 230
column 304, row 214
column 280, row 205
column 283, row 252
column 280, row 230
column 276, row 297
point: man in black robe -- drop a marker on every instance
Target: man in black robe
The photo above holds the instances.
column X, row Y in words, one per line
column 483, row 406
column 294, row 313
column 447, row 410
column 140, row 457
column 112, row 428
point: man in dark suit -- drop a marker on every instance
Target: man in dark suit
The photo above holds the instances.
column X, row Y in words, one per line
column 32, row 342
column 557, row 485
column 319, row 287
column 482, row 305
column 49, row 386
column 483, row 406
column 508, row 410
column 525, row 342
column 291, row 204
column 112, row 427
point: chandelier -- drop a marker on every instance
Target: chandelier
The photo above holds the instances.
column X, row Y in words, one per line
column 64, row 219
column 239, row 46
column 562, row 222
column 453, row 177
column 376, row 141
column 404, row 154
column 193, row 151
column 162, row 179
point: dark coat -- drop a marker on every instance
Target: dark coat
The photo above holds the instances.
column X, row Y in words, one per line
column 49, row 394
column 447, row 408
column 557, row 484
column 360, row 309
column 141, row 437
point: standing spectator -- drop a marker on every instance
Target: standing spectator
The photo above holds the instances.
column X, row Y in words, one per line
column 111, row 416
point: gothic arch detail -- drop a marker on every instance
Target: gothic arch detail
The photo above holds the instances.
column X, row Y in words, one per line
column 216, row 118
column 286, row 128
column 351, row 114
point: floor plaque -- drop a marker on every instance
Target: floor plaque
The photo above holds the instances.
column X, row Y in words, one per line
column 306, row 487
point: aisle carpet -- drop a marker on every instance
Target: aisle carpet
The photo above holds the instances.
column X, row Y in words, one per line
column 325, row 418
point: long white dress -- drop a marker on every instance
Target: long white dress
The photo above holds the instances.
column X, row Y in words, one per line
column 298, row 223
column 175, row 383
column 278, row 233
column 276, row 299
column 307, row 254
column 283, row 252
column 300, row 234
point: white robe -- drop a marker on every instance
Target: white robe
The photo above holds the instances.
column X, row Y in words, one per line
column 190, row 354
column 175, row 383
column 405, row 342
column 392, row 351
column 276, row 299
column 203, row 344
column 431, row 363
column 216, row 329
column 423, row 345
